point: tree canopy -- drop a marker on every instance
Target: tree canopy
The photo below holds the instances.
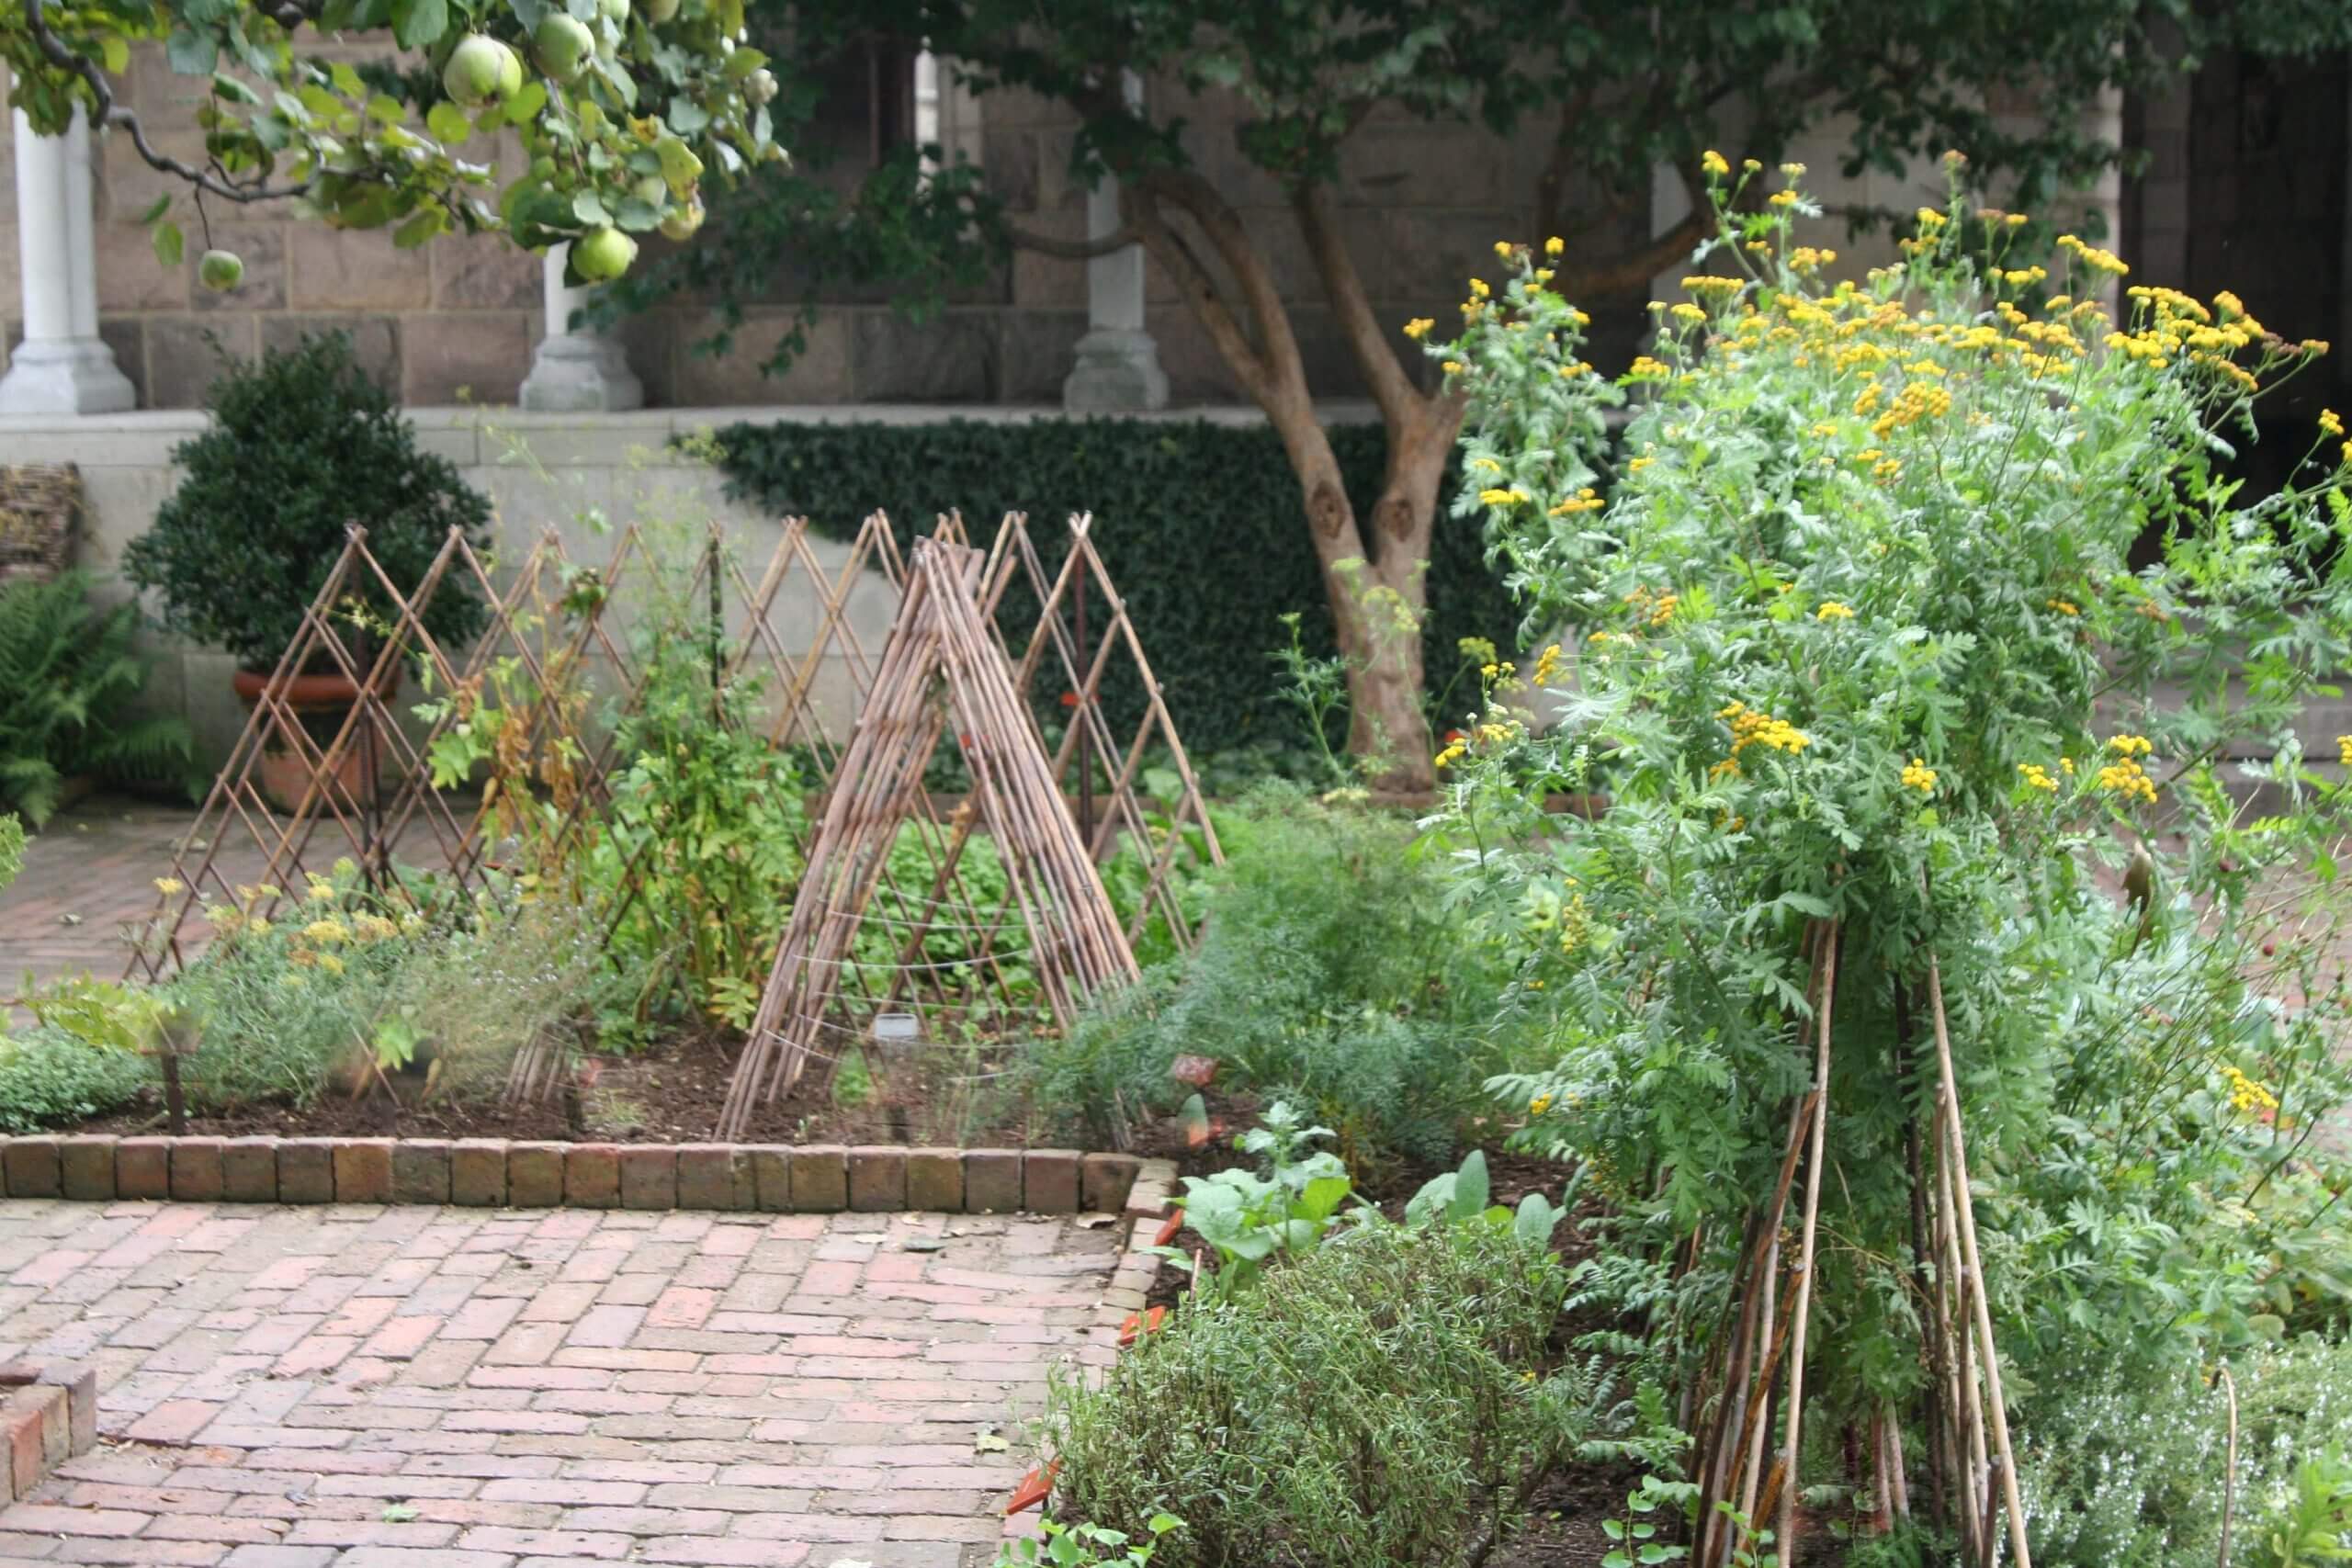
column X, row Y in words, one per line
column 622, row 108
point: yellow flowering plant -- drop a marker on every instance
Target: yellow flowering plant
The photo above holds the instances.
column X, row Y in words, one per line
column 1914, row 697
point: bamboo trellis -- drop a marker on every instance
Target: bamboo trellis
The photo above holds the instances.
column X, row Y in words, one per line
column 939, row 641
column 559, row 625
column 1754, row 1371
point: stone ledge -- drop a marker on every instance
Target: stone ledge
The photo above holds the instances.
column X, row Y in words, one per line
column 49, row 1413
column 494, row 1172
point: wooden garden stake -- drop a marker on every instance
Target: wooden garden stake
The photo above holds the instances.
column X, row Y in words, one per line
column 2230, row 1473
column 1784, row 1538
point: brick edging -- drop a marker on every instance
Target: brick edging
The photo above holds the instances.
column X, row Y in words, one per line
column 819, row 1179
column 47, row 1415
column 1148, row 1205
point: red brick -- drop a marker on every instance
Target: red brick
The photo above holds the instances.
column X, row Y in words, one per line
column 878, row 1178
column 306, row 1170
column 249, row 1171
column 32, row 1167
column 535, row 1175
column 935, row 1181
column 363, row 1170
column 421, row 1170
column 715, row 1176
column 196, row 1170
column 1049, row 1183
column 649, row 1176
column 991, row 1181
column 1104, row 1182
column 820, row 1179
column 478, row 1172
column 85, row 1165
column 772, row 1178
column 592, row 1176
column 20, row 1437
column 81, row 1386
column 142, row 1168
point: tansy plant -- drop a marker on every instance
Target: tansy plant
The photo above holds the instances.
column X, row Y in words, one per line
column 1860, row 656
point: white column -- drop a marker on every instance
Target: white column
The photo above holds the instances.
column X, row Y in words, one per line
column 577, row 369
column 62, row 365
column 1118, row 364
column 927, row 105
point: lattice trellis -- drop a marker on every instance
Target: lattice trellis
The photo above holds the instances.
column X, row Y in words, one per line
column 558, row 626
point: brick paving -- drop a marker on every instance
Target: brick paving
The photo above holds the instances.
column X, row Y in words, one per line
column 356, row 1386
column 89, row 876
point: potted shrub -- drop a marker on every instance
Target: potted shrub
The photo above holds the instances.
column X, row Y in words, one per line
column 300, row 445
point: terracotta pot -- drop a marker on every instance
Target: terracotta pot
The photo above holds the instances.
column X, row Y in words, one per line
column 283, row 772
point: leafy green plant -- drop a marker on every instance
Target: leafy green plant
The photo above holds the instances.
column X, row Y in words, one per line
column 1330, row 973
column 12, row 847
column 1248, row 1218
column 67, row 674
column 2314, row 1524
column 49, row 1079
column 1389, row 1400
column 1459, row 1198
column 300, row 445
column 1861, row 657
column 1087, row 1546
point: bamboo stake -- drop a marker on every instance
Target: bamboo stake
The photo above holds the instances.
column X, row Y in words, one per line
column 1965, row 1209
column 1784, row 1538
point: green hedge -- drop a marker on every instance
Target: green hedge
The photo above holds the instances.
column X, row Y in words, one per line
column 1199, row 526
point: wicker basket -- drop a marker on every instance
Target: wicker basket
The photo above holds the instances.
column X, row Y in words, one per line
column 38, row 507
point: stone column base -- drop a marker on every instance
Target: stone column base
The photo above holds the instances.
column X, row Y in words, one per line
column 64, row 376
column 1117, row 372
column 581, row 373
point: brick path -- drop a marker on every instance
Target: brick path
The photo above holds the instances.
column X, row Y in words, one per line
column 89, row 874
column 367, row 1387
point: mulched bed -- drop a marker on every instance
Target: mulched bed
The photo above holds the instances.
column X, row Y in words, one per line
column 668, row 1095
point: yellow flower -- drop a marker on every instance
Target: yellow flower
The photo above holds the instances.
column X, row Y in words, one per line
column 2344, row 750
column 327, row 932
column 2036, row 776
column 1503, row 248
column 2128, row 779
column 330, row 962
column 1452, row 367
column 1418, row 327
column 1451, row 755
column 2329, row 423
column 258, row 926
column 1687, row 311
column 2245, row 1094
column 1794, row 171
column 1638, row 464
column 1713, row 162
column 1547, row 665
column 223, row 917
column 1555, row 245
column 1536, row 1107
column 373, row 928
column 1833, row 611
column 2067, row 764
column 1511, row 497
column 169, row 886
column 1919, row 776
column 1478, row 289
column 2065, row 606
column 2129, row 745
column 1782, row 199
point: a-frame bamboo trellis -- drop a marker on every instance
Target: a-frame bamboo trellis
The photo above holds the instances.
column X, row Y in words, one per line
column 939, row 639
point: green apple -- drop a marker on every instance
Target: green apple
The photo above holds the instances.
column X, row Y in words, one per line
column 563, row 46
column 602, row 254
column 658, row 12
column 479, row 70
column 220, row 270
column 651, row 189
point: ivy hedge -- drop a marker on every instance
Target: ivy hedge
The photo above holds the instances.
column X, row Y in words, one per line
column 1199, row 526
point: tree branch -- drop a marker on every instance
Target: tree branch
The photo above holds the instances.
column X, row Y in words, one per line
column 1635, row 267
column 110, row 113
column 1391, row 390
column 1199, row 289
column 1277, row 351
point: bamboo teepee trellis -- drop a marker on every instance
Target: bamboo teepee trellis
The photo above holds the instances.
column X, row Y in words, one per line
column 941, row 639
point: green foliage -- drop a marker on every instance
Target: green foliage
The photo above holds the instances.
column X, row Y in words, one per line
column 1367, row 1405
column 1199, row 526
column 2315, row 1526
column 12, row 848
column 1861, row 650
column 1087, row 1546
column 1329, row 973
column 67, row 672
column 299, row 445
column 1247, row 1218
column 2125, row 1470
column 1459, row 1198
column 619, row 136
column 49, row 1079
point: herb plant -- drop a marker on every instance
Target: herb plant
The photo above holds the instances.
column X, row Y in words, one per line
column 68, row 676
